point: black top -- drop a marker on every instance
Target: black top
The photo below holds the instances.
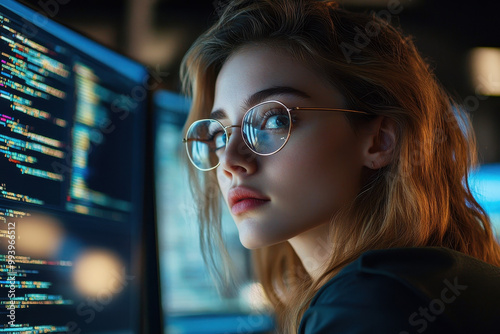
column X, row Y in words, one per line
column 408, row 290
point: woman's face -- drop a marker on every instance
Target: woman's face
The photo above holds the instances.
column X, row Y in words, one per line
column 278, row 197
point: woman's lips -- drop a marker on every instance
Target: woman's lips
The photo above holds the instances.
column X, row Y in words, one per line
column 242, row 199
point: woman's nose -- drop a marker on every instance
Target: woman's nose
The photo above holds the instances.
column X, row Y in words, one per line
column 237, row 156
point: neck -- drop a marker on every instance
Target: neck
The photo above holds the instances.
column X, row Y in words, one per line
column 313, row 248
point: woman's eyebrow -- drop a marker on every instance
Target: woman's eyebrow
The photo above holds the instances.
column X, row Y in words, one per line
column 260, row 96
column 264, row 94
column 218, row 114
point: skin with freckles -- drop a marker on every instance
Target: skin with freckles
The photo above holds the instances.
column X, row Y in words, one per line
column 316, row 173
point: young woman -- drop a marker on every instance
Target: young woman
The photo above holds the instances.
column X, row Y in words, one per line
column 344, row 165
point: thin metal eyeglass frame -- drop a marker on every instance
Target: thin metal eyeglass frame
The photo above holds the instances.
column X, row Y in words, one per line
column 289, row 110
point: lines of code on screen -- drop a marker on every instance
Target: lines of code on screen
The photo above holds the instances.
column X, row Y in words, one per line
column 59, row 139
column 32, row 126
column 70, row 184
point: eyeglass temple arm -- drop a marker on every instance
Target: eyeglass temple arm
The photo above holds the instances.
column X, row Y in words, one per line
column 331, row 109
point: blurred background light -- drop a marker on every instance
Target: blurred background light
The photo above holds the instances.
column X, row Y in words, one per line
column 98, row 272
column 39, row 236
column 485, row 70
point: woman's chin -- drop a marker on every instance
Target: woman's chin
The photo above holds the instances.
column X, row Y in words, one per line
column 252, row 241
column 254, row 238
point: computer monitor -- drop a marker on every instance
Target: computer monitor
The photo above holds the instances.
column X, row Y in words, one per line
column 72, row 166
column 192, row 303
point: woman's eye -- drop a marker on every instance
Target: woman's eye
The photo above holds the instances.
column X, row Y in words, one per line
column 219, row 140
column 277, row 122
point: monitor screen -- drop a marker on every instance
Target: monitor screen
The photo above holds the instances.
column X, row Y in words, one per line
column 72, row 117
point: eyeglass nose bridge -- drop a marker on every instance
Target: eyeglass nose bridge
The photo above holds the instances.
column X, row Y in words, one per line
column 230, row 133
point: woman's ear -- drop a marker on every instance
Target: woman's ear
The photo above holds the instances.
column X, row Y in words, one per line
column 380, row 143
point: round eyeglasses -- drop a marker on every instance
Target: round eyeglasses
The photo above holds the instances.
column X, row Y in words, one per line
column 265, row 129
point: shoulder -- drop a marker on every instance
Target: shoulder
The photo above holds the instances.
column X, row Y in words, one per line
column 408, row 290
